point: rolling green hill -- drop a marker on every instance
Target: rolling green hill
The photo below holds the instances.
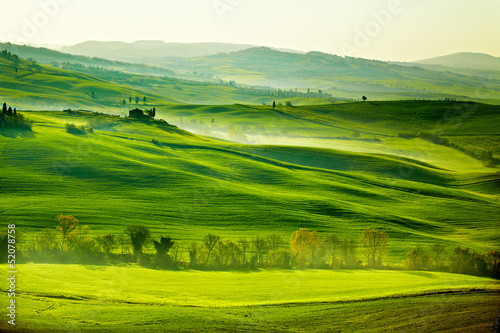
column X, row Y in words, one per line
column 469, row 60
column 370, row 127
column 30, row 85
column 69, row 83
column 343, row 77
column 176, row 183
column 118, row 177
column 47, row 56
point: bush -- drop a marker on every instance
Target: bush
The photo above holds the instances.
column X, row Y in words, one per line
column 72, row 129
column 90, row 130
column 288, row 104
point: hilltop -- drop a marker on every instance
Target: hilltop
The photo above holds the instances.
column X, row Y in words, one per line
column 341, row 76
column 468, row 60
column 76, row 74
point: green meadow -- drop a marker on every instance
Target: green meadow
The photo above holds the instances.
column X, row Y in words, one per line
column 118, row 177
column 422, row 172
column 112, row 298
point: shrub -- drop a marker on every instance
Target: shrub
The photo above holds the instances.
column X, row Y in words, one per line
column 72, row 129
column 288, row 104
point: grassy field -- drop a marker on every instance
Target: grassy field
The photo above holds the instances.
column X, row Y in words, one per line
column 185, row 185
column 117, row 177
column 129, row 298
column 30, row 85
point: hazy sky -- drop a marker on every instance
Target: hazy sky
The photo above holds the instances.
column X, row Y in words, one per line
column 377, row 29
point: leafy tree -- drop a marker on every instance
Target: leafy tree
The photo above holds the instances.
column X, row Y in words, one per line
column 221, row 253
column 106, row 242
column 209, row 241
column 136, row 100
column 417, row 258
column 151, row 113
column 139, row 236
column 274, row 242
column 124, row 243
column 193, row 255
column 124, row 101
column 332, row 244
column 348, row 252
column 244, row 246
column 493, row 260
column 176, row 252
column 307, row 246
column 260, row 247
column 81, row 243
column 46, row 241
column 130, row 99
column 364, row 98
column 274, row 104
column 374, row 244
column 67, row 224
column 4, row 108
column 234, row 253
column 144, row 99
column 461, row 261
column 163, row 246
column 438, row 251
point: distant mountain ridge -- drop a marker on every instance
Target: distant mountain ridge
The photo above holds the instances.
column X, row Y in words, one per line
column 469, row 60
column 150, row 49
column 341, row 76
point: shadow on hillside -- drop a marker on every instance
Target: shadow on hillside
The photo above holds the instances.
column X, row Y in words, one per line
column 14, row 133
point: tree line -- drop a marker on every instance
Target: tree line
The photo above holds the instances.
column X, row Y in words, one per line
column 70, row 242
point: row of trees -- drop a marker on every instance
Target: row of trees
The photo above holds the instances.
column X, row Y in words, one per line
column 304, row 249
column 137, row 99
column 283, row 93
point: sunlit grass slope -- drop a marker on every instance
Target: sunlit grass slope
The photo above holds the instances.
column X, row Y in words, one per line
column 74, row 297
column 41, row 86
column 34, row 86
column 184, row 186
column 371, row 127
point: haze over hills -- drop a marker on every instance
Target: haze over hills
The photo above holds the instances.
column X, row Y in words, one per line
column 468, row 60
column 263, row 68
column 342, row 76
column 150, row 49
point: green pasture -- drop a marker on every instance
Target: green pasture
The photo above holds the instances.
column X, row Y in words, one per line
column 112, row 298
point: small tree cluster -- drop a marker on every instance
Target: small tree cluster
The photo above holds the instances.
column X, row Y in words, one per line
column 73, row 129
column 151, row 113
column 11, row 119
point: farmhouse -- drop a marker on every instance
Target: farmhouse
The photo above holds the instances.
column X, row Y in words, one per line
column 136, row 113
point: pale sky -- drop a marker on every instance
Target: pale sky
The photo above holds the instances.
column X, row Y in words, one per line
column 403, row 30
